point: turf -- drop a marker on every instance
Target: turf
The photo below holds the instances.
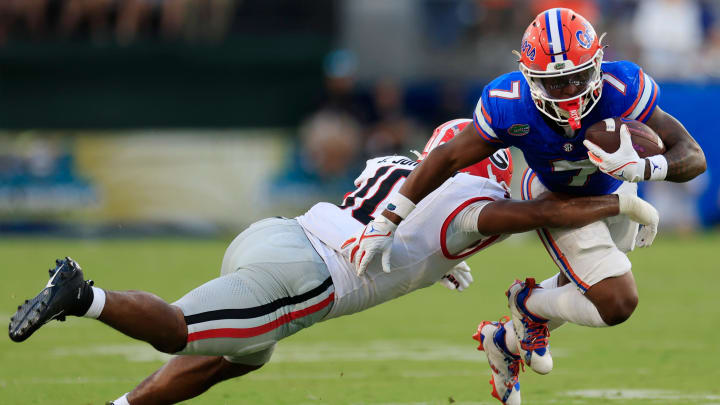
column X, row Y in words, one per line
column 415, row 350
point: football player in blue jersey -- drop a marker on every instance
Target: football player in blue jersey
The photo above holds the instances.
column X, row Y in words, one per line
column 563, row 86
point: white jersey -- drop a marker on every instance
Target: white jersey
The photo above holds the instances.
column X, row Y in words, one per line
column 427, row 244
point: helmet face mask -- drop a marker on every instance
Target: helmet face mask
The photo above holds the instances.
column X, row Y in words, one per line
column 553, row 86
column 561, row 61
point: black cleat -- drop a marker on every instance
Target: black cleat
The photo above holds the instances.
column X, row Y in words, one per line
column 60, row 297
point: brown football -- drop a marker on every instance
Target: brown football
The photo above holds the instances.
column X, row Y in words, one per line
column 606, row 135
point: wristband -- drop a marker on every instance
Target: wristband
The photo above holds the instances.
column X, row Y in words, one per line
column 400, row 205
column 658, row 167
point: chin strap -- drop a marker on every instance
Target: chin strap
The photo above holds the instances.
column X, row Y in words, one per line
column 572, row 108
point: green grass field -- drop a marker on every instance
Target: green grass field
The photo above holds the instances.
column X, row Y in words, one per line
column 415, row 350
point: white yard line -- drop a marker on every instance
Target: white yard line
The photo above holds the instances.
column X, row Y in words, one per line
column 291, row 352
column 132, row 352
column 66, row 380
column 624, row 394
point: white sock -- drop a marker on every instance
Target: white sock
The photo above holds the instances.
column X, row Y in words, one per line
column 565, row 303
column 97, row 306
column 511, row 338
column 547, row 284
column 551, row 282
column 122, row 400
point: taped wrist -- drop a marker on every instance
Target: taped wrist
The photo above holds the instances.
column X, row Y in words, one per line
column 400, row 205
column 626, row 203
column 658, row 167
column 638, row 209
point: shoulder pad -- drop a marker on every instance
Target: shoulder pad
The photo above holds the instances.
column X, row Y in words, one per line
column 632, row 92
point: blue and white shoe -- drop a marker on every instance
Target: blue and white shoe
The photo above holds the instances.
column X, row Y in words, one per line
column 504, row 365
column 531, row 330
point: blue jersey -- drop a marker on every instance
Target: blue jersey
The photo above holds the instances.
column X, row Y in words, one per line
column 506, row 116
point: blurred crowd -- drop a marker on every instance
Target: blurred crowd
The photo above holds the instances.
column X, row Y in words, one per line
column 669, row 38
column 353, row 122
column 401, row 67
column 121, row 20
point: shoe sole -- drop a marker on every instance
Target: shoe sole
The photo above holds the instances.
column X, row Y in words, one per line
column 29, row 316
column 35, row 312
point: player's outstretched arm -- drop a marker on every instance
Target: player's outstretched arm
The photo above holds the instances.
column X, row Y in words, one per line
column 685, row 158
column 561, row 211
column 463, row 150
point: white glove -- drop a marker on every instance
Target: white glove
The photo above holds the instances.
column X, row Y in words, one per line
column 623, row 164
column 459, row 278
column 643, row 213
column 646, row 235
column 377, row 236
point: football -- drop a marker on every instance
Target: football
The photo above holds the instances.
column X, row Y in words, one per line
column 606, row 135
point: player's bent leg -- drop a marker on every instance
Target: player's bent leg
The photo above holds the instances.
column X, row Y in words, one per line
column 564, row 303
column 615, row 298
column 591, row 260
column 185, row 377
column 138, row 314
column 145, row 316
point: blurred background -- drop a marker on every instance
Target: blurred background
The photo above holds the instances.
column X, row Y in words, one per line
column 202, row 116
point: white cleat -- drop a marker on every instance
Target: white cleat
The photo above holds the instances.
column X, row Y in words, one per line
column 504, row 365
column 531, row 330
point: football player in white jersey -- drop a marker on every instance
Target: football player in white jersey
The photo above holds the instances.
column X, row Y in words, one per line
column 281, row 275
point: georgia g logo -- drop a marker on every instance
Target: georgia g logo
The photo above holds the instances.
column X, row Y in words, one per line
column 585, row 38
column 500, row 159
